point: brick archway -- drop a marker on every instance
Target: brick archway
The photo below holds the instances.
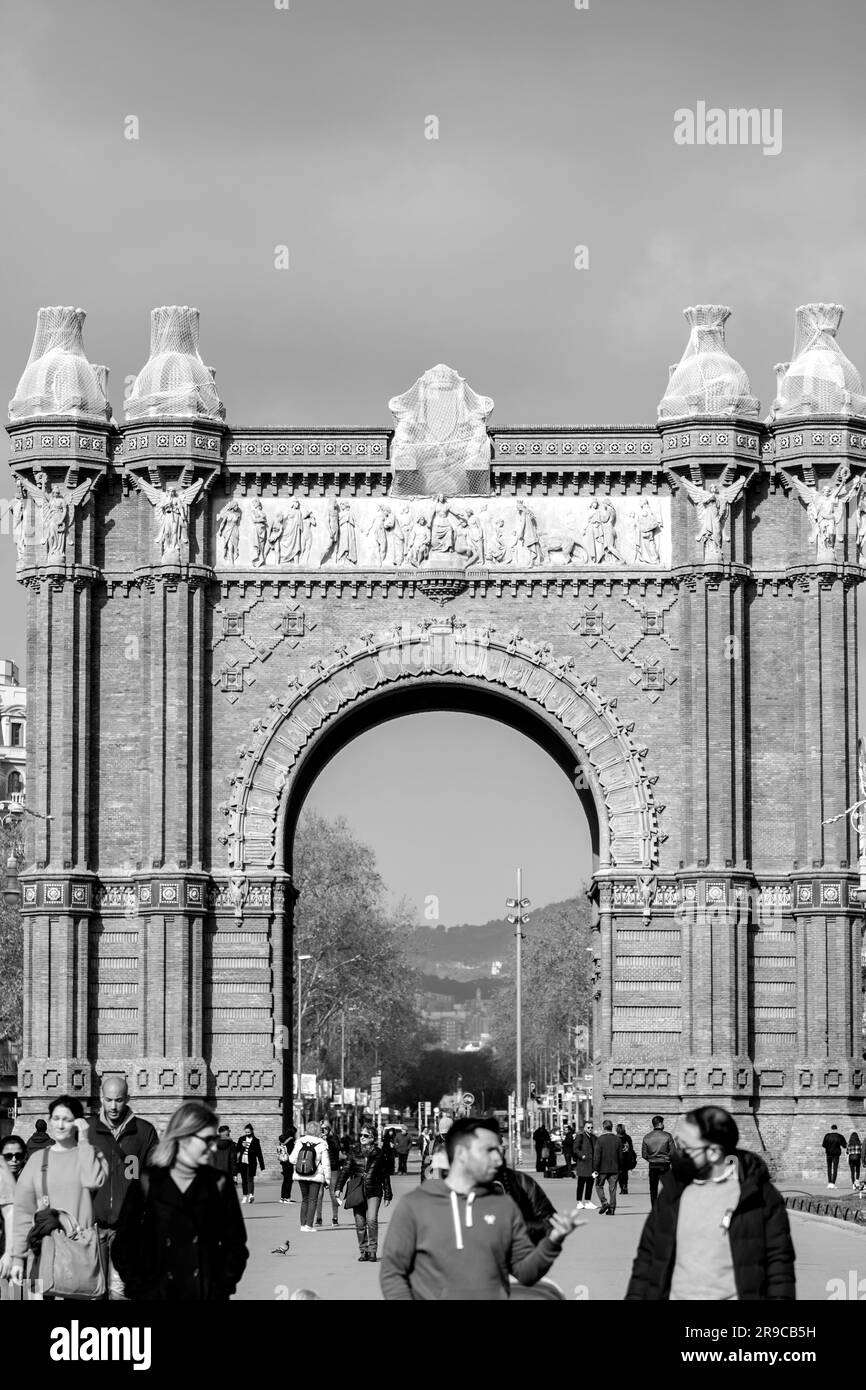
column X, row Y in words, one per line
column 609, row 766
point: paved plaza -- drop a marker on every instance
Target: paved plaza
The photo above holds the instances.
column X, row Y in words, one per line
column 596, row 1258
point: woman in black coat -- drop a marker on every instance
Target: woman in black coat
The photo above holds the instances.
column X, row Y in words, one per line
column 364, row 1181
column 249, row 1158
column 181, row 1235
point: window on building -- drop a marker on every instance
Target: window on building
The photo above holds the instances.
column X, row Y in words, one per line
column 15, row 735
column 15, row 784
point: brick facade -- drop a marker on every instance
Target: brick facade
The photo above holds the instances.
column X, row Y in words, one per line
column 178, row 710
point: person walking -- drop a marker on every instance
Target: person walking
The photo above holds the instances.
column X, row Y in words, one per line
column 61, row 1177
column 718, row 1229
column 127, row 1142
column 584, row 1145
column 855, row 1151
column 529, row 1196
column 249, row 1157
column 223, row 1153
column 333, row 1144
column 457, row 1239
column 543, row 1146
column 434, row 1160
column 629, row 1158
column 388, row 1151
column 39, row 1139
column 568, row 1149
column 181, row 1235
column 402, row 1145
column 833, row 1144
column 363, row 1183
column 658, row 1150
column 13, row 1156
column 607, row 1162
column 312, row 1165
column 284, row 1149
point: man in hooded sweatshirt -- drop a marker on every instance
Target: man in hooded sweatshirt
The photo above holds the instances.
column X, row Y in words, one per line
column 127, row 1142
column 457, row 1239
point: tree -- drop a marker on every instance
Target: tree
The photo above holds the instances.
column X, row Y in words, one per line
column 359, row 968
column 11, row 942
column 433, row 1075
column 556, row 987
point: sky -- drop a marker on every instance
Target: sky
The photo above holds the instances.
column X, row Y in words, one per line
column 508, row 804
column 306, row 127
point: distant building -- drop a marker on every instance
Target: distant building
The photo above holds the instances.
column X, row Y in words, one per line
column 13, row 740
column 455, row 1025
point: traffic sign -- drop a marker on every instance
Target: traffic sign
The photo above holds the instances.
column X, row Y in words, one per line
column 468, row 1098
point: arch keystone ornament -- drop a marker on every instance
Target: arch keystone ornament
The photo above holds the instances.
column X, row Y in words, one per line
column 668, row 610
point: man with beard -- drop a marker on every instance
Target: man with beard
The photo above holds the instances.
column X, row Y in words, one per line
column 719, row 1230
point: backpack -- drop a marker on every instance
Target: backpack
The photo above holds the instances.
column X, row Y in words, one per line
column 308, row 1161
column 283, row 1153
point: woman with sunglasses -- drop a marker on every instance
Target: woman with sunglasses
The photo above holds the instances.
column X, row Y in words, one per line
column 181, row 1234
column 13, row 1155
column 365, row 1181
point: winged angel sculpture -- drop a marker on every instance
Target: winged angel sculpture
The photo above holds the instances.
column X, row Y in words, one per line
column 171, row 505
column 826, row 510
column 56, row 507
column 714, row 503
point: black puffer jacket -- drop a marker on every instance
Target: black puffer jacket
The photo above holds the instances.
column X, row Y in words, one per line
column 377, row 1181
column 531, row 1200
column 761, row 1244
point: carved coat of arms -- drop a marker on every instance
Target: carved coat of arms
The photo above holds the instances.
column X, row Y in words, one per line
column 440, row 442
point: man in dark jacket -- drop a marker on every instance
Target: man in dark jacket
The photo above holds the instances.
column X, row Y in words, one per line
column 719, row 1229
column 568, row 1149
column 607, row 1161
column 223, row 1153
column 833, row 1144
column 39, row 1139
column 584, row 1145
column 529, row 1196
column 658, row 1150
column 127, row 1142
column 542, row 1141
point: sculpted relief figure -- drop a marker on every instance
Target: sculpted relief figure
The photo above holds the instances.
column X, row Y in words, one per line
column 600, row 531
column 56, row 507
column 525, row 548
column 347, row 545
column 260, row 532
column 171, row 506
column 714, row 504
column 442, row 526
column 308, row 526
column 229, row 530
column 826, row 510
column 647, row 525
column 419, row 545
column 380, row 528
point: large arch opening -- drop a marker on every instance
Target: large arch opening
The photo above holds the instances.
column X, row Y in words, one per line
column 433, row 723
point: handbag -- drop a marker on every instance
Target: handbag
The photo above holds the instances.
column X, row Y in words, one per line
column 355, row 1196
column 71, row 1259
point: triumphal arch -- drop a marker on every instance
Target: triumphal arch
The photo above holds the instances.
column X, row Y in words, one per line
column 669, row 609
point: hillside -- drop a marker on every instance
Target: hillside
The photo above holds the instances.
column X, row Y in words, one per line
column 472, row 951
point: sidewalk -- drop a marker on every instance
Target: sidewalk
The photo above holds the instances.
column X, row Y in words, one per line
column 596, row 1259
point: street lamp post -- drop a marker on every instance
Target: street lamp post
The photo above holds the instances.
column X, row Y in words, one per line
column 300, row 1092
column 519, row 918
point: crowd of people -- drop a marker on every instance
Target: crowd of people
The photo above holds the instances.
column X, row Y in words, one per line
column 106, row 1208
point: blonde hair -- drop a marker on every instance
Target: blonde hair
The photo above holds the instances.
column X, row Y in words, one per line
column 313, row 1128
column 187, row 1120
